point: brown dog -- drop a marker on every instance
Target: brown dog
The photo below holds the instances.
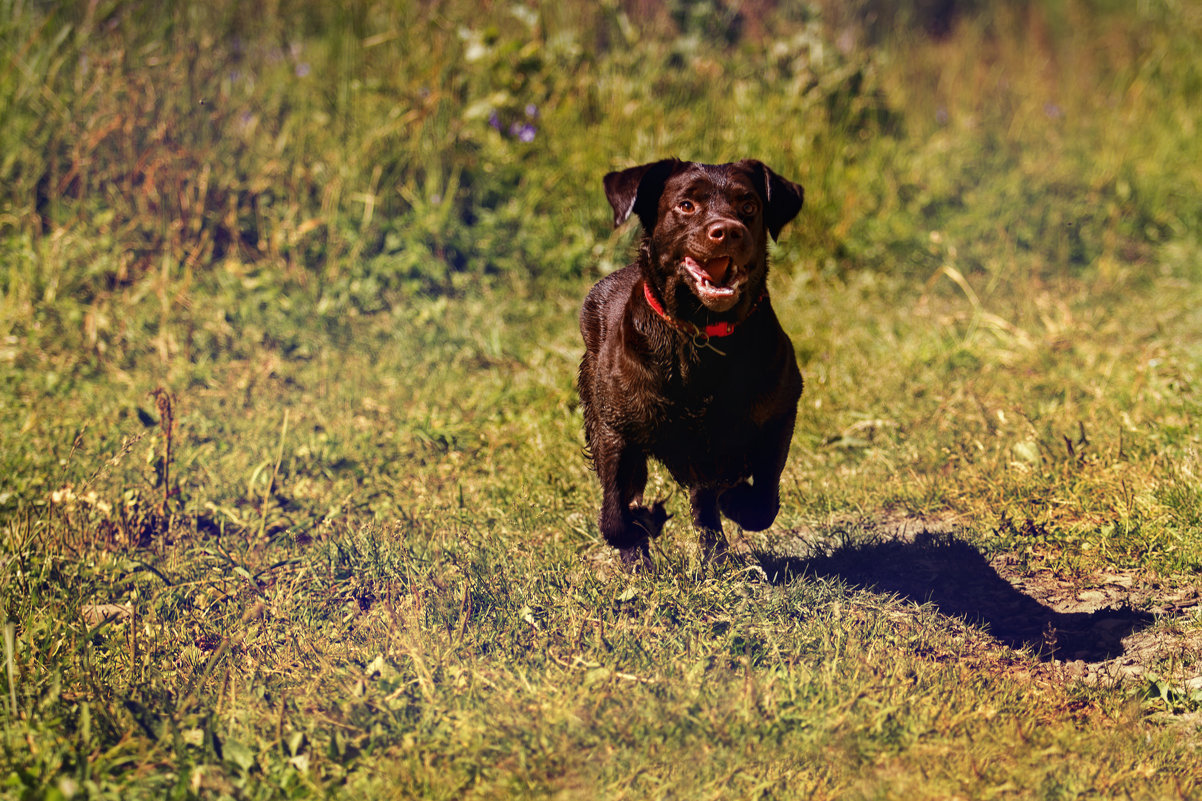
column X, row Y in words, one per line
column 684, row 358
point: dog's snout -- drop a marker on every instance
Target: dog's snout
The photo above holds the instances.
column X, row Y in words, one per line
column 725, row 231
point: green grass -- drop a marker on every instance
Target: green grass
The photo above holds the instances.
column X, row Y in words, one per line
column 369, row 565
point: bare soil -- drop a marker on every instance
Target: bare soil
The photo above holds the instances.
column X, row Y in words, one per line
column 1112, row 626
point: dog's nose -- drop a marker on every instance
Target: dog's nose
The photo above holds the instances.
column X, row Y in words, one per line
column 724, row 230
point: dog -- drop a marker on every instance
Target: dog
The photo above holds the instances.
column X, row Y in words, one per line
column 684, row 358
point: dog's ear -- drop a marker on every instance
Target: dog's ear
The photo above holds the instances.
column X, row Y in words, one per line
column 636, row 191
column 782, row 197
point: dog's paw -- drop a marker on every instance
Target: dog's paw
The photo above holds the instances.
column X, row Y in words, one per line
column 749, row 508
column 637, row 558
column 649, row 520
column 714, row 548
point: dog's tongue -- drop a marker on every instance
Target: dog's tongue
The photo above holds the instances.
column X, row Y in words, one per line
column 714, row 268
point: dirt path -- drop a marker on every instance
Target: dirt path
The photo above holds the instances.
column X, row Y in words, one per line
column 1109, row 626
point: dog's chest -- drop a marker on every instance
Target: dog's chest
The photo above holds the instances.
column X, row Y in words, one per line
column 705, row 444
column 705, row 416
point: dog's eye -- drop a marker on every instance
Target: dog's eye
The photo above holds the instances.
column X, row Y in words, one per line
column 686, row 206
column 750, row 208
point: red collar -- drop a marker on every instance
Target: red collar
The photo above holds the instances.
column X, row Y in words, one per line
column 701, row 336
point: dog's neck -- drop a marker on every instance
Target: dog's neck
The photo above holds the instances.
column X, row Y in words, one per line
column 701, row 335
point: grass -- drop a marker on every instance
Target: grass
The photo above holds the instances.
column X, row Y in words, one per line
column 349, row 547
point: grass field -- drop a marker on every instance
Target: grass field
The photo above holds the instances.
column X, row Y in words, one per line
column 292, row 495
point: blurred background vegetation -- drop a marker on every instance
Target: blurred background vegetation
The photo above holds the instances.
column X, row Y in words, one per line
column 197, row 178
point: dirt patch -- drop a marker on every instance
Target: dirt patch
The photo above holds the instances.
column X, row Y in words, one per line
column 1109, row 626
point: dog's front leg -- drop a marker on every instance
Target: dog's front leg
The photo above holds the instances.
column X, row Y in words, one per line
column 625, row 523
column 708, row 522
column 754, row 506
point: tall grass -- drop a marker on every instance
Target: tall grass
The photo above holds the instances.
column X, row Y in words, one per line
column 343, row 159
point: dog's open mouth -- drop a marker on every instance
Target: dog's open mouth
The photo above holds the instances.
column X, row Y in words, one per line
column 716, row 281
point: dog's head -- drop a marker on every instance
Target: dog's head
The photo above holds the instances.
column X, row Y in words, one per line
column 707, row 228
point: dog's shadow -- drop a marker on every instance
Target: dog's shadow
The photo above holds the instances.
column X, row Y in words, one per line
column 942, row 570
